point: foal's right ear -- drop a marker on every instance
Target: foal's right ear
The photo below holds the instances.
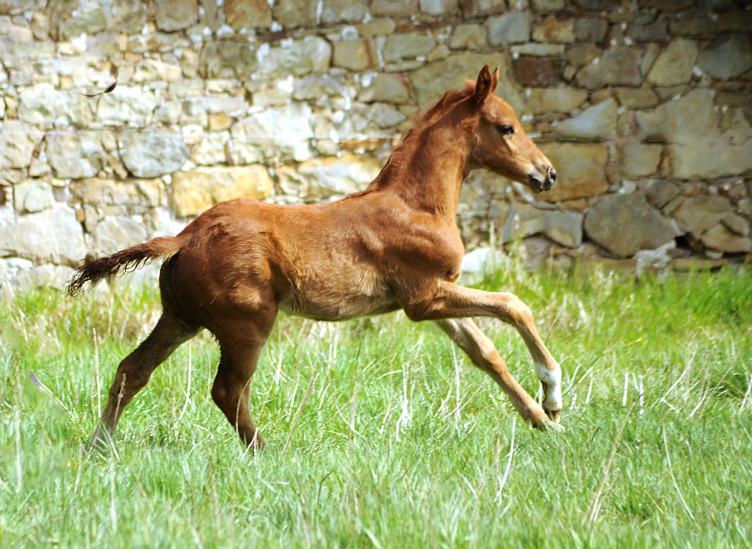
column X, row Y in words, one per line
column 485, row 85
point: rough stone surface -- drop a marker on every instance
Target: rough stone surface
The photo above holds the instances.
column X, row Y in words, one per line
column 510, row 28
column 52, row 236
column 126, row 105
column 146, row 193
column 720, row 238
column 636, row 160
column 387, row 88
column 152, row 153
column 524, row 220
column 537, row 72
column 76, row 154
column 727, row 57
column 581, row 170
column 472, row 8
column 198, row 190
column 295, row 13
column 17, row 143
column 32, row 195
column 681, row 120
column 282, row 133
column 674, row 66
column 554, row 30
column 44, row 106
column 116, row 233
column 299, row 58
column 343, row 11
column 406, row 46
column 355, row 55
column 327, row 177
column 173, row 15
column 469, row 36
column 618, row 66
column 248, row 14
column 707, row 158
column 545, row 100
column 596, row 123
column 394, row 8
column 624, row 225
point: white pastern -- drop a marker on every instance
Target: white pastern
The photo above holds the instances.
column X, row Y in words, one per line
column 551, row 380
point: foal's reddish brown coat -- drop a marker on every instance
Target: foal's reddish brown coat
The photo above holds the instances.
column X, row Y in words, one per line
column 393, row 246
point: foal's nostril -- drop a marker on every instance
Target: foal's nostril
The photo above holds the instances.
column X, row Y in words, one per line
column 552, row 174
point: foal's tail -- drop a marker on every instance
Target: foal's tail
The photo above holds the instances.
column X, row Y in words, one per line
column 123, row 261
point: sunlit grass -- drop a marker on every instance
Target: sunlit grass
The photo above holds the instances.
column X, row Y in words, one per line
column 381, row 434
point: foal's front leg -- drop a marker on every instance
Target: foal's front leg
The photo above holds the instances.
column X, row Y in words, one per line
column 451, row 301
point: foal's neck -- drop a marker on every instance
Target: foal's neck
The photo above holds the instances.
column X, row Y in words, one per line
column 428, row 168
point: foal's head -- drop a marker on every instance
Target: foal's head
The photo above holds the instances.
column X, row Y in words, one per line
column 499, row 143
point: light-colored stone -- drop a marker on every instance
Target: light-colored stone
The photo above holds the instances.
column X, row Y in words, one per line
column 720, row 238
column 126, row 105
column 553, row 30
column 248, row 14
column 636, row 98
column 706, row 158
column 510, row 28
column 327, row 177
column 385, row 116
column 674, row 66
column 295, row 13
column 636, row 160
column 546, row 100
column 387, row 88
column 43, row 106
column 154, row 70
column 316, row 88
column 298, row 58
column 407, row 46
column 619, row 66
column 439, row 7
column 172, row 15
column 151, row 153
column 680, row 121
column 525, row 220
column 32, row 195
column 343, row 11
column 624, row 225
column 198, row 190
column 274, row 133
column 355, row 55
column 595, row 123
column 51, row 236
column 116, row 233
column 17, row 143
column 43, row 276
column 581, row 170
column 394, row 8
column 76, row 154
column 696, row 214
column 468, row 36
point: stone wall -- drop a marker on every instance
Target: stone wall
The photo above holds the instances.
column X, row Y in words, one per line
column 643, row 106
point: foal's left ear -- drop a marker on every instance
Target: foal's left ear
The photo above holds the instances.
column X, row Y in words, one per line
column 486, row 84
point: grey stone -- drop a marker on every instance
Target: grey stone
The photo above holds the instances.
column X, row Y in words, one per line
column 385, row 116
column 248, row 14
column 17, row 143
column 299, row 58
column 97, row 192
column 546, row 100
column 590, row 29
column 618, row 66
column 696, row 214
column 43, row 276
column 636, row 160
column 562, row 227
column 660, row 192
column 597, row 122
column 510, row 28
column 76, row 154
column 126, row 16
column 343, row 11
column 439, row 7
column 326, row 177
column 151, row 153
column 52, row 236
column 406, row 46
column 468, row 36
column 636, row 98
column 127, row 106
column 657, row 31
column 624, row 225
column 117, row 233
column 32, row 195
column 227, row 59
column 681, row 120
column 707, row 158
column 394, row 8
column 674, row 66
column 387, row 88
column 720, row 238
column 44, row 106
column 295, row 13
column 274, row 133
column 728, row 57
column 172, row 15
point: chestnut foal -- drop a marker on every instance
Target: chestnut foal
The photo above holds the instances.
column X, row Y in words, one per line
column 392, row 246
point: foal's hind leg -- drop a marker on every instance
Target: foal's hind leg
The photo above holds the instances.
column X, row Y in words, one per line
column 240, row 351
column 136, row 369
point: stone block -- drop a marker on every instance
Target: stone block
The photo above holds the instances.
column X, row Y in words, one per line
column 595, row 123
column 386, row 88
column 475, row 8
column 636, row 98
column 547, row 100
column 144, row 193
column 439, row 7
column 538, row 50
column 355, row 55
column 51, row 236
column 298, row 58
column 510, row 28
column 315, row 88
column 618, row 66
column 657, row 31
column 554, row 30
column 343, row 11
column 173, row 15
column 682, row 120
column 548, row 5
column 153, row 152
column 295, row 13
column 707, row 158
column 394, row 8
column 660, row 192
column 525, row 220
column 407, row 46
column 274, row 133
column 636, row 160
column 76, row 155
column 17, row 143
column 727, row 57
column 674, row 66
column 590, row 29
column 722, row 239
column 626, row 224
column 198, row 190
column 32, row 195
column 248, row 14
column 468, row 37
column 227, row 59
column 696, row 214
column 126, row 106
column 326, row 177
column 117, row 233
column 43, row 106
column 376, row 27
column 581, row 169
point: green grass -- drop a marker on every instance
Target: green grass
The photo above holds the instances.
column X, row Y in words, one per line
column 401, row 442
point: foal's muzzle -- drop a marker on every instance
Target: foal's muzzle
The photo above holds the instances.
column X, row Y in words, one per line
column 542, row 181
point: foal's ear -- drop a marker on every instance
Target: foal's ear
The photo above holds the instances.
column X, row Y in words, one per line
column 486, row 84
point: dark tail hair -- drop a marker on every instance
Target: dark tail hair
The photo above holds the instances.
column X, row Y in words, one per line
column 122, row 262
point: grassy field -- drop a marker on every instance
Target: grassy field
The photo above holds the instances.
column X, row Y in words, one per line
column 381, row 434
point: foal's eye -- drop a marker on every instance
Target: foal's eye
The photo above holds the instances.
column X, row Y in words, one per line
column 505, row 129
